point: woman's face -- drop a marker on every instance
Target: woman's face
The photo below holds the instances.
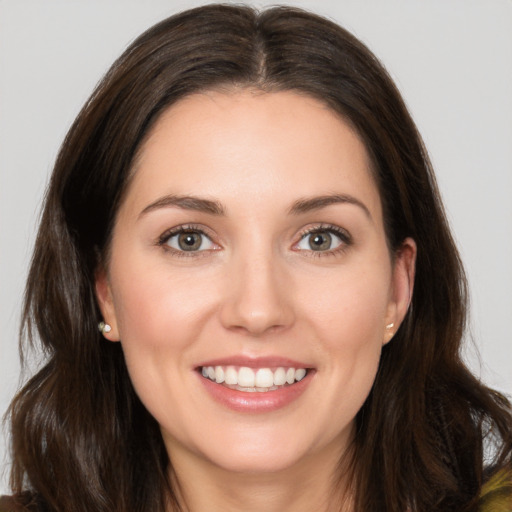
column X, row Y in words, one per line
column 250, row 283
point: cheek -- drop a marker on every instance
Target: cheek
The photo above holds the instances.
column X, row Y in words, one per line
column 160, row 317
column 349, row 306
column 348, row 320
column 159, row 309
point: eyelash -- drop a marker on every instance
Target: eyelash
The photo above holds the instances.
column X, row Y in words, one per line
column 188, row 228
column 343, row 235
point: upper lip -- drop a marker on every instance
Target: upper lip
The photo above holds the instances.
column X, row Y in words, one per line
column 256, row 362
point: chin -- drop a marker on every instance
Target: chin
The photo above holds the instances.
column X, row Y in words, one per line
column 257, row 451
column 257, row 462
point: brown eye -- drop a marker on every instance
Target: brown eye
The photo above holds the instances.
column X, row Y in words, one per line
column 322, row 240
column 189, row 241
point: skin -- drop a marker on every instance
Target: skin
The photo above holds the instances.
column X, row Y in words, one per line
column 257, row 289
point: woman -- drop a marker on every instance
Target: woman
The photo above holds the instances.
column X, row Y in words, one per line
column 246, row 211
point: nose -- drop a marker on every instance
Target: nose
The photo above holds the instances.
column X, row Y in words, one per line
column 258, row 296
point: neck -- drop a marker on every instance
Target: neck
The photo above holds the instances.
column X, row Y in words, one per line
column 319, row 483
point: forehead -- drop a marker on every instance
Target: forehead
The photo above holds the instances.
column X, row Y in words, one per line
column 269, row 146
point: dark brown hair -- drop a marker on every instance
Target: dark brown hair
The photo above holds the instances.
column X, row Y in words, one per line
column 82, row 440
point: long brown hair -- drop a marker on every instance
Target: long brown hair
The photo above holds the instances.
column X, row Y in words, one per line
column 82, row 440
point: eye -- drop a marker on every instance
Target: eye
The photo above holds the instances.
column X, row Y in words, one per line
column 323, row 240
column 187, row 240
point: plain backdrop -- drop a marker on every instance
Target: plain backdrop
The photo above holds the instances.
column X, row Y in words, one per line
column 452, row 60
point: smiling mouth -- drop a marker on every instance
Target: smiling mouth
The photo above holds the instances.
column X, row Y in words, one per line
column 252, row 380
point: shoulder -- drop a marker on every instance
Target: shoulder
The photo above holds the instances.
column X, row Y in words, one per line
column 496, row 495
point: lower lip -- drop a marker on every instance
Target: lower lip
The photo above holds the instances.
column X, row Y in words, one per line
column 256, row 402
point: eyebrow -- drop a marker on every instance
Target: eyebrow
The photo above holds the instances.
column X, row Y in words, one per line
column 316, row 203
column 194, row 203
column 212, row 207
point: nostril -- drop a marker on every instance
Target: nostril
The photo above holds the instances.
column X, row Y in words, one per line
column 257, row 302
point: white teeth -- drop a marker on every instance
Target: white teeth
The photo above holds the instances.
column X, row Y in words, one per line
column 246, row 377
column 252, row 380
column 279, row 377
column 219, row 374
column 264, row 378
column 231, row 376
column 300, row 374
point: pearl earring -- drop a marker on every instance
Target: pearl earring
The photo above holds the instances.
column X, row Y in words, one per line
column 104, row 328
column 390, row 326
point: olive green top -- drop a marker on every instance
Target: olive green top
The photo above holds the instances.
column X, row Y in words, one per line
column 497, row 493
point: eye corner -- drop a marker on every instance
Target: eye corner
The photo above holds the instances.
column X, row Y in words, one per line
column 332, row 240
column 187, row 240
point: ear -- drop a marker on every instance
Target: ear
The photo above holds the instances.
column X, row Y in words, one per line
column 404, row 267
column 106, row 304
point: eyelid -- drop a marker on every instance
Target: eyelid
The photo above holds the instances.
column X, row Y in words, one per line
column 186, row 228
column 341, row 233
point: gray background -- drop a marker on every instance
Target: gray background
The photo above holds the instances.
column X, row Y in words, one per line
column 452, row 60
